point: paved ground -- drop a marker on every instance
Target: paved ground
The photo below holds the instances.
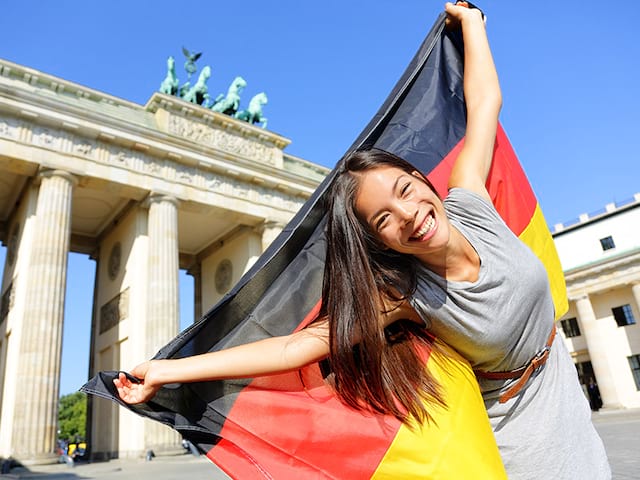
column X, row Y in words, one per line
column 160, row 468
column 620, row 431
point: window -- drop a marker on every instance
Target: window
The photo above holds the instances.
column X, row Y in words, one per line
column 607, row 243
column 623, row 315
column 634, row 363
column 570, row 327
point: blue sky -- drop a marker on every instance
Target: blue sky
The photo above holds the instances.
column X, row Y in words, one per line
column 568, row 73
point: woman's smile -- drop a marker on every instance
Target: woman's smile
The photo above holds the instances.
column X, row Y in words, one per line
column 426, row 230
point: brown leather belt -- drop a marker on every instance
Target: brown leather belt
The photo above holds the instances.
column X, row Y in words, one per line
column 523, row 373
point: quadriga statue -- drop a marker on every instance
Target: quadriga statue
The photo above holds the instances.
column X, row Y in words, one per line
column 170, row 83
column 198, row 93
column 229, row 104
column 253, row 114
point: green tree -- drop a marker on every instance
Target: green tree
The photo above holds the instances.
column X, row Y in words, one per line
column 72, row 416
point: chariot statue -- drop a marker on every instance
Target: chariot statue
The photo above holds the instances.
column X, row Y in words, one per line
column 198, row 93
column 170, row 84
column 229, row 104
column 253, row 114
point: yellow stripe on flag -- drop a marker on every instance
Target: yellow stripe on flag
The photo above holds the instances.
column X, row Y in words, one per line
column 458, row 444
column 537, row 236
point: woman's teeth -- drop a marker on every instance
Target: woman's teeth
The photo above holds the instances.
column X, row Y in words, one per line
column 428, row 225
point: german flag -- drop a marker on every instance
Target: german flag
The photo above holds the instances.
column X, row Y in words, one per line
column 291, row 425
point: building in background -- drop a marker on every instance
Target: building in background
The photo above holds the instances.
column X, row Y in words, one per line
column 600, row 256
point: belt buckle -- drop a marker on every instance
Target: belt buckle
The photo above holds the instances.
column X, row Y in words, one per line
column 540, row 357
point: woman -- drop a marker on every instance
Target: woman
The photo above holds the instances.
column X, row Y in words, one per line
column 451, row 265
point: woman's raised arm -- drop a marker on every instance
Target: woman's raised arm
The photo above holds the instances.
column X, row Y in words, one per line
column 264, row 357
column 483, row 100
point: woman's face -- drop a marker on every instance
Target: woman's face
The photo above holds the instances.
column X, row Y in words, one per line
column 402, row 211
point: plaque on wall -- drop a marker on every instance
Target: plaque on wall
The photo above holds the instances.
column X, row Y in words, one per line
column 113, row 266
column 114, row 311
column 224, row 273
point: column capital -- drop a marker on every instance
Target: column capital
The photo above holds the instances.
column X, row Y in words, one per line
column 580, row 296
column 157, row 197
column 50, row 172
column 268, row 225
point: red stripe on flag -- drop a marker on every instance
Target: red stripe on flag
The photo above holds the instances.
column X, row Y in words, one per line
column 507, row 183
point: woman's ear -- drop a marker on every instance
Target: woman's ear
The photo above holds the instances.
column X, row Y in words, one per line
column 417, row 174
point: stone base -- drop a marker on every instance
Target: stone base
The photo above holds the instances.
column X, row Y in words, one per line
column 42, row 459
column 164, row 451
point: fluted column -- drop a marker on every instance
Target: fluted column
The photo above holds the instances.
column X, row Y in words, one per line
column 36, row 408
column 163, row 310
column 270, row 230
column 597, row 346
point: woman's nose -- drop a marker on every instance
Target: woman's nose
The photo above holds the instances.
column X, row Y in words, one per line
column 407, row 212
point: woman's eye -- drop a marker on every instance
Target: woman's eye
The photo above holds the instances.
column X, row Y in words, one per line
column 381, row 221
column 405, row 189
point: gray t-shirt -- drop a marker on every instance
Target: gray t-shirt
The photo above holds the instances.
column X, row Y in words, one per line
column 499, row 322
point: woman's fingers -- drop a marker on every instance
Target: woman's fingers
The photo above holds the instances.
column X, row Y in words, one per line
column 128, row 391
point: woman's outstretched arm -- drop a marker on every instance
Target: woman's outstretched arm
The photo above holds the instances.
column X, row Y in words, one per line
column 483, row 100
column 264, row 357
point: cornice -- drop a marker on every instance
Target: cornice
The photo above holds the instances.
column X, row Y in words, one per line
column 601, row 276
column 166, row 127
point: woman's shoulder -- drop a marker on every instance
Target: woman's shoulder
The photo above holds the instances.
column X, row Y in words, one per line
column 472, row 210
column 467, row 205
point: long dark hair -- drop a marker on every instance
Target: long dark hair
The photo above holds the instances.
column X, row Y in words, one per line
column 373, row 368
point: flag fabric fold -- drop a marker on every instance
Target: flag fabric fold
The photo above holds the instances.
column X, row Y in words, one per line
column 291, row 425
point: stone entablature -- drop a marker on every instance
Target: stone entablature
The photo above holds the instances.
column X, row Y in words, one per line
column 186, row 149
column 604, row 275
column 234, row 184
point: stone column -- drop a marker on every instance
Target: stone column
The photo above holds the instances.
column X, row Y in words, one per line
column 635, row 289
column 597, row 346
column 91, row 431
column 270, row 230
column 163, row 319
column 36, row 408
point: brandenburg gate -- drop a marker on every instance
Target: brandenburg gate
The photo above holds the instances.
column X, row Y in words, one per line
column 144, row 191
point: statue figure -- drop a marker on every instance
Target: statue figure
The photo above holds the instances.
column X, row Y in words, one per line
column 184, row 88
column 253, row 114
column 198, row 93
column 229, row 104
column 170, row 84
column 190, row 64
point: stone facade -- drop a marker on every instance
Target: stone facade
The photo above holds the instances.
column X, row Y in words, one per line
column 144, row 191
column 600, row 255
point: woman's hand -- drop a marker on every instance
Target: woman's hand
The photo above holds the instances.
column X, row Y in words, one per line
column 459, row 11
column 132, row 392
